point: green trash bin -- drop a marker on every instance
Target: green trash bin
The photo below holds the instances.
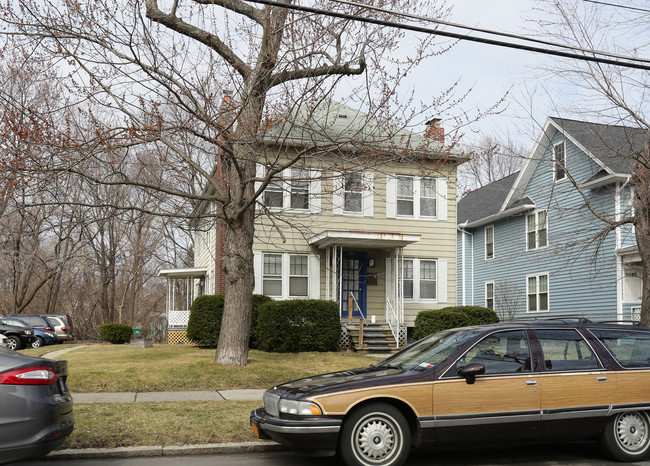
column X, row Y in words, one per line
column 137, row 332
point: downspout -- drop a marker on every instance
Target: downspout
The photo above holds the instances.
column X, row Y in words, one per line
column 464, row 232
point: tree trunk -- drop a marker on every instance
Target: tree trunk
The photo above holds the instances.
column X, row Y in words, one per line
column 237, row 308
column 641, row 179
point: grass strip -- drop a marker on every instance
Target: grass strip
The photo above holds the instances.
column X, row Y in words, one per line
column 120, row 368
column 112, row 425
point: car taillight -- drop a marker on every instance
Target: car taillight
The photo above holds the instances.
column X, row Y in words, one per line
column 48, row 329
column 34, row 375
column 64, row 329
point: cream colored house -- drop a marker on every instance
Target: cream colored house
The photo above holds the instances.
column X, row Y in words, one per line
column 373, row 220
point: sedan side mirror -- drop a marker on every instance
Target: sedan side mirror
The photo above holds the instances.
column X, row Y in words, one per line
column 470, row 371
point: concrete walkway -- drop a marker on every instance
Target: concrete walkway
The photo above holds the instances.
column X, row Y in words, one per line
column 144, row 397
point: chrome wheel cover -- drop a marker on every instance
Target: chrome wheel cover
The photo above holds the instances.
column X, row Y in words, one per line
column 376, row 439
column 12, row 344
column 632, row 432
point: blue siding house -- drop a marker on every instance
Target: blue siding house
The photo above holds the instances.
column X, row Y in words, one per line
column 544, row 242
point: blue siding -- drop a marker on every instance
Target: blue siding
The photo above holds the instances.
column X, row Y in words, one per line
column 579, row 260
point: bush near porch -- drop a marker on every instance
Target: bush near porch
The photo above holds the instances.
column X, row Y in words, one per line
column 428, row 322
column 204, row 324
column 298, row 325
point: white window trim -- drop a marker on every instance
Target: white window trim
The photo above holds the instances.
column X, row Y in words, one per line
column 485, row 230
column 486, row 294
column 548, row 292
column 416, row 280
column 367, row 196
column 441, row 199
column 537, row 246
column 313, row 274
column 555, row 163
column 284, row 178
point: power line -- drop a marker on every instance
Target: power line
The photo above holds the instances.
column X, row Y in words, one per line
column 615, row 5
column 492, row 32
column 458, row 36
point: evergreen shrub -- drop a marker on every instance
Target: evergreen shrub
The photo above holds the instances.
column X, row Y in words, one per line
column 116, row 333
column 298, row 325
column 428, row 322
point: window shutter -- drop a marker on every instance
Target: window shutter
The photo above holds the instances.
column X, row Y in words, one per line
column 442, row 198
column 368, row 194
column 314, row 277
column 391, row 196
column 337, row 193
column 442, row 280
column 257, row 271
column 315, row 192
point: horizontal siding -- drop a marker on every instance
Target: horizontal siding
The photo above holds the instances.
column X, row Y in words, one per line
column 581, row 265
column 290, row 231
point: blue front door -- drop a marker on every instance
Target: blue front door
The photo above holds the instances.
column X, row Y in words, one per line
column 353, row 283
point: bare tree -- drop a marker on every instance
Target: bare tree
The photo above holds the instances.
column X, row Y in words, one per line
column 616, row 96
column 489, row 159
column 150, row 74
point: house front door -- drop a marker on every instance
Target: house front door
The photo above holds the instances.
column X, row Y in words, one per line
column 353, row 283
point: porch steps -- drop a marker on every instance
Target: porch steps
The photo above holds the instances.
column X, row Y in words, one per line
column 377, row 338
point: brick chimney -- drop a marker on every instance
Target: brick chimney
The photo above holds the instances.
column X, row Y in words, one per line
column 434, row 130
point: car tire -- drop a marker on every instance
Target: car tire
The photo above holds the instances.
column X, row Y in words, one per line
column 376, row 434
column 14, row 343
column 627, row 436
column 37, row 343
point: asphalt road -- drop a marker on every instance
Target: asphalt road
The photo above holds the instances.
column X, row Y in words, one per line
column 585, row 453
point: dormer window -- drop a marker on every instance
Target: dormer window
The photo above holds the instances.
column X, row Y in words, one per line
column 559, row 161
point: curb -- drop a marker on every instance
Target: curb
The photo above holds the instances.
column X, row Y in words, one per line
column 171, row 450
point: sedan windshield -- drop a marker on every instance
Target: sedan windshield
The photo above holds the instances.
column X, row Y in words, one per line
column 431, row 351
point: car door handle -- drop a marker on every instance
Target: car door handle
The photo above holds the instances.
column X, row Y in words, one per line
column 602, row 378
column 531, row 382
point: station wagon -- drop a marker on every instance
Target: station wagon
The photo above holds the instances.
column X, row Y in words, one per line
column 535, row 380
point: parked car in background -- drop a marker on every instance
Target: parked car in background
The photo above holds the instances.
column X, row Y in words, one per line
column 35, row 406
column 19, row 337
column 34, row 321
column 514, row 381
column 41, row 337
column 4, row 341
column 60, row 326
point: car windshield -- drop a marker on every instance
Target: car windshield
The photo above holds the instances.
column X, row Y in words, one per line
column 15, row 323
column 431, row 351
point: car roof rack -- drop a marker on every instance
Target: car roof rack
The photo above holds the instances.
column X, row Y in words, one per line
column 565, row 319
column 634, row 323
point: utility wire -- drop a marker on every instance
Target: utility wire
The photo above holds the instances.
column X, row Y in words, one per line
column 625, row 7
column 455, row 35
column 489, row 31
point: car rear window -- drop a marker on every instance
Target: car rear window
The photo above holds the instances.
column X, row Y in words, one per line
column 630, row 348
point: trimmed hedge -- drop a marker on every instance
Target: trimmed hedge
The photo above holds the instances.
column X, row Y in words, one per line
column 428, row 322
column 116, row 333
column 298, row 325
column 204, row 325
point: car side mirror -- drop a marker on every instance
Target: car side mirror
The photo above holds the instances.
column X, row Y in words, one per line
column 470, row 371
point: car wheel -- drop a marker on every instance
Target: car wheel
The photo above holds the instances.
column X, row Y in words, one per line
column 375, row 434
column 37, row 343
column 627, row 436
column 14, row 343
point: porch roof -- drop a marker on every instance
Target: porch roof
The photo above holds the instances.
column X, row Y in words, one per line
column 188, row 272
column 362, row 239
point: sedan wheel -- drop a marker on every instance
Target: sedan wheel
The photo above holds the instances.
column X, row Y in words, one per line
column 14, row 343
column 376, row 434
column 627, row 436
column 37, row 343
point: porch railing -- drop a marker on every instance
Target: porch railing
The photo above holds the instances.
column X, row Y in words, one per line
column 178, row 319
column 393, row 321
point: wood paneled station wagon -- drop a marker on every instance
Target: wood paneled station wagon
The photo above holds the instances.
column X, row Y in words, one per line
column 537, row 380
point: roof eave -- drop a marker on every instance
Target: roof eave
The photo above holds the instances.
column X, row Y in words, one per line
column 499, row 215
